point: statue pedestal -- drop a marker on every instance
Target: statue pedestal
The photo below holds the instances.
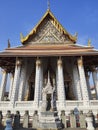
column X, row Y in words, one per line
column 8, row 124
column 89, row 120
column 49, row 120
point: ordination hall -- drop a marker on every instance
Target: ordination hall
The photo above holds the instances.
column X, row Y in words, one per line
column 49, row 72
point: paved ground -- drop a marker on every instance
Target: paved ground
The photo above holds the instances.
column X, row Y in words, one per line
column 48, row 129
column 62, row 129
column 2, row 128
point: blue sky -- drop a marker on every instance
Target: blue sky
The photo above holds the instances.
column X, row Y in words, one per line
column 22, row 15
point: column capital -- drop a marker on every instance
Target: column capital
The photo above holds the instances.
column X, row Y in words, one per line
column 38, row 62
column 4, row 71
column 80, row 61
column 59, row 62
column 18, row 61
column 93, row 69
column 11, row 75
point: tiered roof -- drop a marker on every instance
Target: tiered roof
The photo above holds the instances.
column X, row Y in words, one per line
column 48, row 38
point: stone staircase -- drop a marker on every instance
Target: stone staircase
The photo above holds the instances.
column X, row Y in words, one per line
column 50, row 120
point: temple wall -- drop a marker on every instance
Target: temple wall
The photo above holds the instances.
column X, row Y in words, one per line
column 30, row 105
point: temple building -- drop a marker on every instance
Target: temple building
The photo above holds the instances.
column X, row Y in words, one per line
column 49, row 70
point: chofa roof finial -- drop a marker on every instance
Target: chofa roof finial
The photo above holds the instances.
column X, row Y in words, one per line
column 89, row 42
column 9, row 45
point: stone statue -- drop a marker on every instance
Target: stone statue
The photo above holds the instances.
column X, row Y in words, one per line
column 8, row 115
column 26, row 120
column 35, row 120
column 89, row 121
column 63, row 119
column 17, row 120
column 1, row 117
column 72, row 120
column 93, row 117
column 8, row 121
column 82, row 121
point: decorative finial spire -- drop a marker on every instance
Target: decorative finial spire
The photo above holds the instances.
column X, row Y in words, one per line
column 9, row 45
column 21, row 36
column 89, row 42
column 48, row 78
column 48, row 4
column 76, row 34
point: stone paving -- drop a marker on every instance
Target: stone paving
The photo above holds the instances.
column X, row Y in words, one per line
column 51, row 129
column 2, row 128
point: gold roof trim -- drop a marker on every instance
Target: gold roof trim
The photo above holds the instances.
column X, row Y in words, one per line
column 54, row 22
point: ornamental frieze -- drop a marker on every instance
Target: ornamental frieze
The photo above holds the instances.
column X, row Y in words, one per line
column 47, row 32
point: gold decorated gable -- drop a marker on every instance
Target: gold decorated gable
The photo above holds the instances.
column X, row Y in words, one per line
column 48, row 30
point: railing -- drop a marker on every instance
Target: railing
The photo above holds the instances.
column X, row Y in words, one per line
column 93, row 102
column 4, row 104
column 24, row 104
column 30, row 104
column 74, row 103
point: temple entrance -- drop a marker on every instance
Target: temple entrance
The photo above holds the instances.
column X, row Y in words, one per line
column 48, row 97
column 31, row 90
column 68, row 90
column 31, row 83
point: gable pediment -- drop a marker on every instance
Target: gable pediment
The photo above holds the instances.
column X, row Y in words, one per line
column 48, row 30
column 49, row 37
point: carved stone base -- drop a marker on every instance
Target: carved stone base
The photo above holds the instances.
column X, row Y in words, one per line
column 49, row 120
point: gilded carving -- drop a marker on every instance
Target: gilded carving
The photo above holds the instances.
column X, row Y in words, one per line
column 38, row 62
column 59, row 62
column 80, row 62
column 18, row 61
column 49, row 37
column 4, row 71
column 93, row 69
column 52, row 34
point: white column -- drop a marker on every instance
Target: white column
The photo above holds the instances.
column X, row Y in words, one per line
column 77, row 86
column 60, row 85
column 11, row 85
column 83, row 83
column 88, row 85
column 22, row 81
column 14, row 96
column 41, row 84
column 56, row 84
column 3, row 84
column 37, row 82
column 95, row 80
